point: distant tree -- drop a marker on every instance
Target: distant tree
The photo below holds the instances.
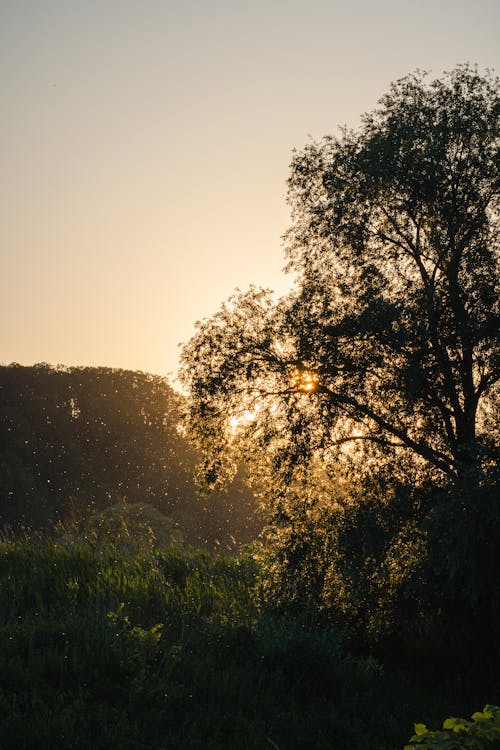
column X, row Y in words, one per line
column 74, row 441
column 89, row 436
column 384, row 359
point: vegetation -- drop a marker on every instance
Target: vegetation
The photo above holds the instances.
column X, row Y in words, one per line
column 366, row 401
column 176, row 649
column 77, row 441
column 482, row 732
column 389, row 342
column 362, row 408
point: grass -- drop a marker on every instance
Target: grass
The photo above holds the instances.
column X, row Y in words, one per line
column 174, row 649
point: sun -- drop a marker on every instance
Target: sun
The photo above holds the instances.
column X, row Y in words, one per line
column 304, row 380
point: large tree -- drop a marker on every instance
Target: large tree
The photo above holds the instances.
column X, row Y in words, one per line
column 387, row 348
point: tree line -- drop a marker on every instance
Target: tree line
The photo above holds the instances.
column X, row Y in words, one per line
column 78, row 440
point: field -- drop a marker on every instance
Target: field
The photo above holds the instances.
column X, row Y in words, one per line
column 177, row 649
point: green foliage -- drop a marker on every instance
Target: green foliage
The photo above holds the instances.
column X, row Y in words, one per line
column 459, row 734
column 174, row 649
column 353, row 559
column 132, row 529
column 137, row 648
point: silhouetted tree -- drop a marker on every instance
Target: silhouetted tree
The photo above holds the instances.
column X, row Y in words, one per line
column 384, row 357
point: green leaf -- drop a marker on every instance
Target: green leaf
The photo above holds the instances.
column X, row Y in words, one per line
column 489, row 711
column 420, row 729
column 448, row 723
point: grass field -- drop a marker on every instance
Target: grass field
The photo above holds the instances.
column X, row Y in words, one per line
column 175, row 649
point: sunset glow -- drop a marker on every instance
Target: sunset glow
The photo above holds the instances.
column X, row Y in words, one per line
column 305, row 381
column 146, row 148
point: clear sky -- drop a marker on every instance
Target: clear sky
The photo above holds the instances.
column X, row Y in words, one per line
column 145, row 146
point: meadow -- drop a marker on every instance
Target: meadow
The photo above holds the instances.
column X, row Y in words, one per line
column 177, row 648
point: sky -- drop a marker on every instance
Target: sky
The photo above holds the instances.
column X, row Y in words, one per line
column 145, row 147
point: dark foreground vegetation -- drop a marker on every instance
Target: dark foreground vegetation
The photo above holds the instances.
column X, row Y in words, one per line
column 178, row 649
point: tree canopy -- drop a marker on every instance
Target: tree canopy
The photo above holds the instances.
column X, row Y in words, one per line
column 75, row 441
column 387, row 348
column 366, row 400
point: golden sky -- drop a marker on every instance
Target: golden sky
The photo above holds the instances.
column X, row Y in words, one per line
column 145, row 144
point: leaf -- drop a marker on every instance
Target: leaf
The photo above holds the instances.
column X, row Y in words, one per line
column 448, row 723
column 489, row 711
column 420, row 729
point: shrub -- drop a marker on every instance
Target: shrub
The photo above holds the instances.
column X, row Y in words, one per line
column 460, row 734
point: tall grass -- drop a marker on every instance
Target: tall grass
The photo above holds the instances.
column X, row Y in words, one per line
column 173, row 649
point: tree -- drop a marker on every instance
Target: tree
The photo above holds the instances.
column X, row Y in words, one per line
column 383, row 359
column 390, row 339
column 75, row 441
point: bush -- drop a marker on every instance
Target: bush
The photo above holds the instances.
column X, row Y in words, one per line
column 459, row 734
